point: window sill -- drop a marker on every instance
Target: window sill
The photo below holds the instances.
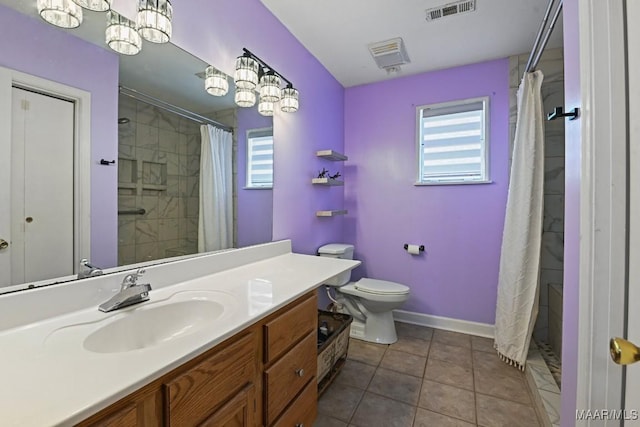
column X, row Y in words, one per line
column 258, row 188
column 420, row 184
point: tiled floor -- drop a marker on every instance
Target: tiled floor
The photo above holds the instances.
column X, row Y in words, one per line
column 428, row 378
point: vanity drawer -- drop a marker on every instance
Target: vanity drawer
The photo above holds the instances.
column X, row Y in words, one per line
column 285, row 378
column 289, row 327
column 303, row 410
column 193, row 395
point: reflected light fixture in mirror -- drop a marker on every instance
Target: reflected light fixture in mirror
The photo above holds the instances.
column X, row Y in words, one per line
column 245, row 97
column 96, row 5
column 61, row 13
column 246, row 75
column 121, row 34
column 154, row 20
column 215, row 81
column 265, row 108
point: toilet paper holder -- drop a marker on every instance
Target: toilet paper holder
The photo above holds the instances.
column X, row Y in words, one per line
column 406, row 246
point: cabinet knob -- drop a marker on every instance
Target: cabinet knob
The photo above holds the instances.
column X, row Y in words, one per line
column 300, row 372
column 299, row 425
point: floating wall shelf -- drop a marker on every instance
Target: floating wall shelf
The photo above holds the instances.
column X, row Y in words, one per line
column 326, row 181
column 331, row 213
column 334, row 156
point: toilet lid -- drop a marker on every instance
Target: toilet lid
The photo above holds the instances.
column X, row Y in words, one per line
column 381, row 287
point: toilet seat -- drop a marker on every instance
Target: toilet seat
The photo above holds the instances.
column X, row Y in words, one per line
column 381, row 287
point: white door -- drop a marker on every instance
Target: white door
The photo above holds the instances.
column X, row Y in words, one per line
column 41, row 188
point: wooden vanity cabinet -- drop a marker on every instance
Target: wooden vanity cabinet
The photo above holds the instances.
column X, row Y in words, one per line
column 262, row 376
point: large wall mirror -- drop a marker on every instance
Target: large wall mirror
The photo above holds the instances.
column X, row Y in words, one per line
column 163, row 114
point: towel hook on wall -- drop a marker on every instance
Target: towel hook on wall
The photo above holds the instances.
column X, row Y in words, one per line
column 559, row 112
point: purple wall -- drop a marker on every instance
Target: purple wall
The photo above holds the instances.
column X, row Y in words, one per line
column 42, row 50
column 255, row 207
column 460, row 225
column 573, row 173
column 217, row 32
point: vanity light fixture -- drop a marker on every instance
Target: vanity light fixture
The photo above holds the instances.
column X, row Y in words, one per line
column 61, row 13
column 246, row 75
column 154, row 20
column 215, row 81
column 121, row 34
column 245, row 97
column 290, row 99
column 270, row 87
column 265, row 108
column 96, row 5
column 249, row 70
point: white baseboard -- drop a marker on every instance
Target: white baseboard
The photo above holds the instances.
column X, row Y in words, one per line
column 446, row 323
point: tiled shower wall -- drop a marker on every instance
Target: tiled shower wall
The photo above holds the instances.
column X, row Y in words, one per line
column 548, row 326
column 158, row 171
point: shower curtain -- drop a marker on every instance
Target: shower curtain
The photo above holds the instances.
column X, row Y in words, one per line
column 517, row 304
column 215, row 219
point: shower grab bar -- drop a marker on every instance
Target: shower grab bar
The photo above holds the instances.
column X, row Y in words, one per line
column 133, row 212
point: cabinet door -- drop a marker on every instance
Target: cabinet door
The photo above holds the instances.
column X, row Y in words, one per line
column 126, row 417
column 237, row 412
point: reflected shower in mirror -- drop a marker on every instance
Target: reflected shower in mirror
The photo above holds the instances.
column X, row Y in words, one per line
column 162, row 106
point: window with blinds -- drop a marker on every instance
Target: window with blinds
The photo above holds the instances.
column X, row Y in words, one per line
column 260, row 158
column 452, row 142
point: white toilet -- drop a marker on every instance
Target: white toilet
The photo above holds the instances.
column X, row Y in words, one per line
column 369, row 301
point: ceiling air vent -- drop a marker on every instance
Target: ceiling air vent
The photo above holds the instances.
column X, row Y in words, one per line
column 451, row 9
column 389, row 53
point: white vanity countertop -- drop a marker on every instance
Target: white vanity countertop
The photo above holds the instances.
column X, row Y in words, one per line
column 48, row 378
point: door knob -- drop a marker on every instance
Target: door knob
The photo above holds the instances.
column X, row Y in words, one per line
column 623, row 352
column 4, row 244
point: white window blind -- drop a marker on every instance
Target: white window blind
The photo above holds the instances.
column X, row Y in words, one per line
column 452, row 142
column 260, row 158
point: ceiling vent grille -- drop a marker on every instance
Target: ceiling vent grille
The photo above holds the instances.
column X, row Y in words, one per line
column 451, row 9
column 389, row 53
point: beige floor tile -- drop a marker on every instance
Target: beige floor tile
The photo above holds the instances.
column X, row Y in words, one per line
column 452, row 338
column 365, row 352
column 448, row 373
column 482, row 344
column 448, row 400
column 491, row 363
column 411, row 345
column 426, row 418
column 340, row 401
column 414, row 331
column 494, row 412
column 451, row 353
column 505, row 387
column 392, row 384
column 379, row 411
column 404, row 362
column 356, row 374
column 326, row 421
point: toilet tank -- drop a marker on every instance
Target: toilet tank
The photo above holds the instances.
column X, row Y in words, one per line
column 342, row 251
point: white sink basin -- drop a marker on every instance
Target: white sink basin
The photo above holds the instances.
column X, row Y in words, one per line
column 149, row 324
column 153, row 326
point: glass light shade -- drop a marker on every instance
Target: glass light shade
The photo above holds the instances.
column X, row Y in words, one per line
column 61, row 13
column 216, row 82
column 245, row 97
column 289, row 101
column 246, row 75
column 121, row 34
column 270, row 88
column 266, row 108
column 97, row 5
column 154, row 20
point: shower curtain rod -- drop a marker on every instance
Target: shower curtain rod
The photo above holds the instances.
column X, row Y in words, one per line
column 543, row 35
column 172, row 108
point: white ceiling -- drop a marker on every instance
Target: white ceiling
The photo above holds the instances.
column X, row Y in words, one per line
column 337, row 33
column 164, row 71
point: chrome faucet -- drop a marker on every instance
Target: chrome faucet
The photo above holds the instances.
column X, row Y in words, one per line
column 88, row 270
column 130, row 293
